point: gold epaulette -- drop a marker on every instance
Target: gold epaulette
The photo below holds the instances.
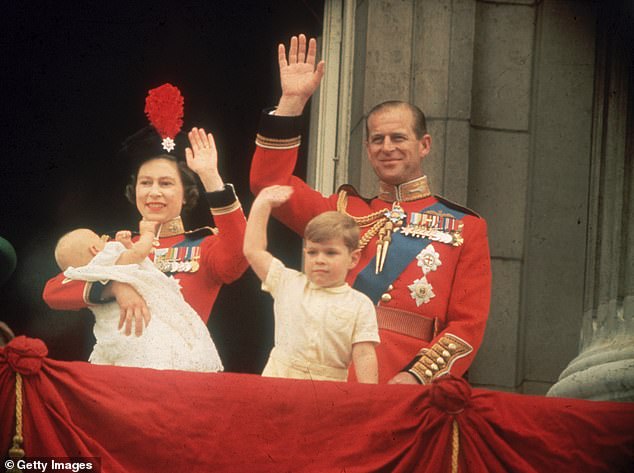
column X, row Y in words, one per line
column 278, row 143
column 438, row 359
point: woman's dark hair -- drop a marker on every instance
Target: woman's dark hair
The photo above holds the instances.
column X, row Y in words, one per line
column 188, row 178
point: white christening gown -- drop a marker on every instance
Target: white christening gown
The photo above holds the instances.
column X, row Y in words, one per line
column 176, row 337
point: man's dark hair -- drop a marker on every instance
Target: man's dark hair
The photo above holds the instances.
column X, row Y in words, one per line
column 419, row 121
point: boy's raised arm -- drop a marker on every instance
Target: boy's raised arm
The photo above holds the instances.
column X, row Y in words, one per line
column 255, row 241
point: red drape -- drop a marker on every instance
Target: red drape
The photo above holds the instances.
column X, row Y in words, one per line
column 142, row 420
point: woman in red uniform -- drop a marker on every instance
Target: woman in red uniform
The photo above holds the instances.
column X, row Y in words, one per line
column 202, row 260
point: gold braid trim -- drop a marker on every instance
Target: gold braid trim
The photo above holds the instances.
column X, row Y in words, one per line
column 277, row 143
column 16, row 451
column 437, row 360
column 376, row 219
column 226, row 209
column 368, row 235
column 172, row 228
column 455, row 447
column 86, row 293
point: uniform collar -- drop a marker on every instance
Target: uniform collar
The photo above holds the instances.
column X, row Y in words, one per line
column 412, row 190
column 172, row 228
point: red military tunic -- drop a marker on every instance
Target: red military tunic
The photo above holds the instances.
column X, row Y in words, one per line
column 218, row 255
column 437, row 284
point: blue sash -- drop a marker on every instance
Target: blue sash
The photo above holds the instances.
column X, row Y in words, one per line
column 188, row 243
column 402, row 251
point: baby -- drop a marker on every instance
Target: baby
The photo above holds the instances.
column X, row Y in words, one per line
column 321, row 323
column 176, row 338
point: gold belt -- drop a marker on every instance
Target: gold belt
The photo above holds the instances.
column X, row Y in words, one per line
column 406, row 323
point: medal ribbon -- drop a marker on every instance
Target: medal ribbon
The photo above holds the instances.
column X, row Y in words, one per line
column 402, row 251
column 182, row 252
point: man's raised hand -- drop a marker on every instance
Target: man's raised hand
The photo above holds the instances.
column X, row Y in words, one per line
column 299, row 76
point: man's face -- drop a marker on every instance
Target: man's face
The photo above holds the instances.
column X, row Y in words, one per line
column 393, row 149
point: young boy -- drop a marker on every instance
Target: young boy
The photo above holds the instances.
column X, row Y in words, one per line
column 321, row 323
column 176, row 338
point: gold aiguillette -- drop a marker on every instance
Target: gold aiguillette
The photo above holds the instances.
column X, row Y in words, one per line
column 394, row 221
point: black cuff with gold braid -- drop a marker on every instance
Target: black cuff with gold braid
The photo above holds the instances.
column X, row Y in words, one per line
column 277, row 132
column 223, row 201
column 438, row 359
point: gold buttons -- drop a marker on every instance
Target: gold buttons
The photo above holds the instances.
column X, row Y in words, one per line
column 386, row 296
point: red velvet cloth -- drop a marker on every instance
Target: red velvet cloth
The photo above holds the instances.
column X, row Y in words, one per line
column 142, row 420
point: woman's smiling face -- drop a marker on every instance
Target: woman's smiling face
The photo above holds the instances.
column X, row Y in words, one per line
column 159, row 190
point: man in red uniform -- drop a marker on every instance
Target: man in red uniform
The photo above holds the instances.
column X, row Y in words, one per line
column 425, row 260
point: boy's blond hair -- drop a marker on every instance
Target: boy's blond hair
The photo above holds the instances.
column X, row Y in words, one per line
column 333, row 224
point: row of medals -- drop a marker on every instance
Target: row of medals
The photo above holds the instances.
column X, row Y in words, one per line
column 177, row 259
column 434, row 226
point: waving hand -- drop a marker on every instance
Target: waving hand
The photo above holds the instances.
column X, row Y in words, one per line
column 299, row 76
column 202, row 158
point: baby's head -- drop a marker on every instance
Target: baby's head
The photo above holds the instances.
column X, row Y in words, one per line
column 331, row 248
column 77, row 248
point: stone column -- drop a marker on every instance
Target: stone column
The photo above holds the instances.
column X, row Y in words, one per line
column 604, row 368
column 499, row 173
column 382, row 67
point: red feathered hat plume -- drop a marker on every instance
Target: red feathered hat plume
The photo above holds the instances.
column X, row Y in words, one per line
column 164, row 109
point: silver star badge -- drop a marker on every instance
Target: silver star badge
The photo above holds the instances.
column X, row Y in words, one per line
column 421, row 291
column 429, row 259
column 168, row 144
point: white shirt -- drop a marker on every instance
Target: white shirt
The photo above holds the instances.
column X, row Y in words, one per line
column 318, row 325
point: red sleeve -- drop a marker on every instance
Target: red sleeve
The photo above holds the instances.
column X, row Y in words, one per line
column 454, row 348
column 274, row 162
column 61, row 293
column 223, row 252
